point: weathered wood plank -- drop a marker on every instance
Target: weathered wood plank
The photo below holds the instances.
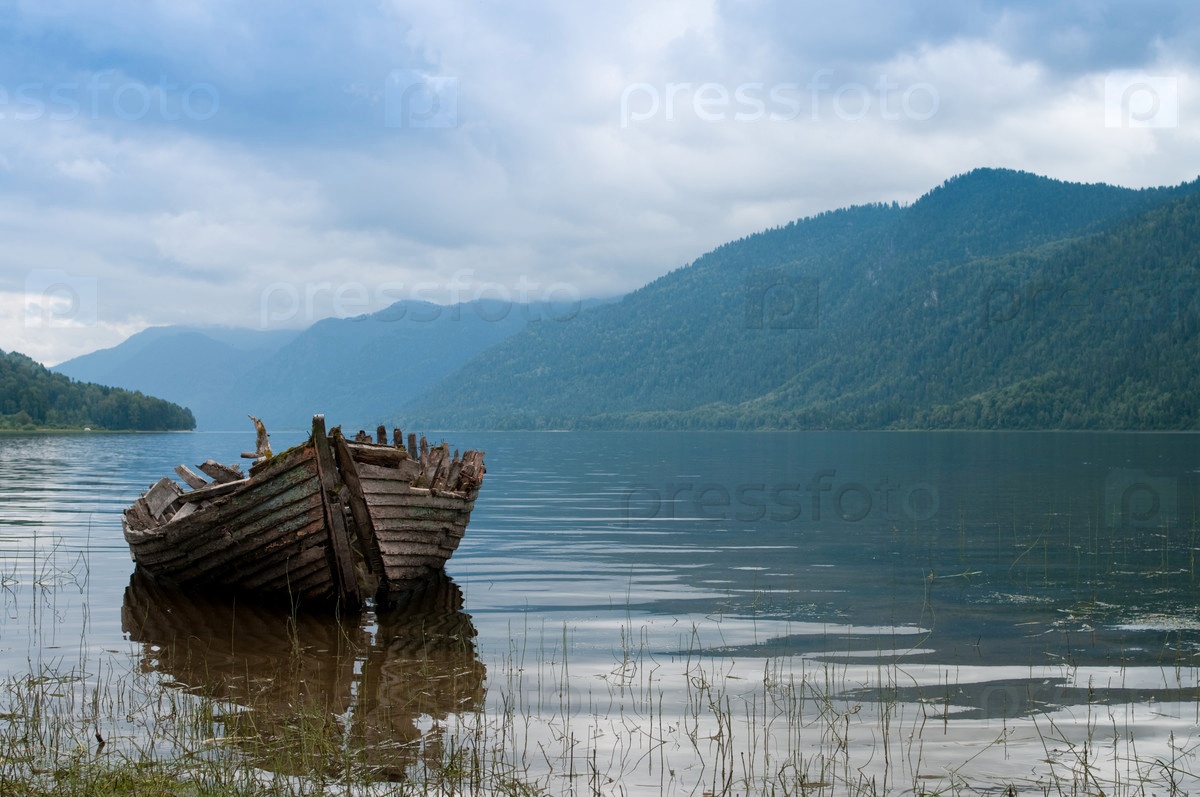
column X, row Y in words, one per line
column 190, row 477
column 339, row 537
column 455, row 502
column 400, row 470
column 214, row 491
column 221, row 473
column 359, row 510
column 161, row 495
column 184, row 511
column 138, row 516
column 383, row 456
column 231, row 524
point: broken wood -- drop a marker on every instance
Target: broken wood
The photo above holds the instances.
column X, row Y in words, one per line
column 383, row 456
column 211, row 491
column 161, row 495
column 342, row 560
column 221, row 473
column 190, row 477
column 363, row 525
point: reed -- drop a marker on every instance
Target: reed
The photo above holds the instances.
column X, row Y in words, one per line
column 785, row 727
column 664, row 711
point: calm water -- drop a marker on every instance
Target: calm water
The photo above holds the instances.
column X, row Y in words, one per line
column 1019, row 590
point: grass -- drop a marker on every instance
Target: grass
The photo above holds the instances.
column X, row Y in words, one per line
column 687, row 723
column 409, row 707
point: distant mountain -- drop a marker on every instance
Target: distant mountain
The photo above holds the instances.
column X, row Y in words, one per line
column 1000, row 299
column 32, row 397
column 358, row 371
column 193, row 366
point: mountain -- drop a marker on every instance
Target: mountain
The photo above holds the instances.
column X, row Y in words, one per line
column 1000, row 299
column 361, row 370
column 32, row 397
column 358, row 371
column 192, row 366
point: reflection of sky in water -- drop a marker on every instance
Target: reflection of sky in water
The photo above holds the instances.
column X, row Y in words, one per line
column 1017, row 613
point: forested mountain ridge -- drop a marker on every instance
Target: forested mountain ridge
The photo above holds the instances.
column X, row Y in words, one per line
column 357, row 370
column 32, row 397
column 953, row 312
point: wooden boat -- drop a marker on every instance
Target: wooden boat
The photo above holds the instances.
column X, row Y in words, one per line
column 331, row 520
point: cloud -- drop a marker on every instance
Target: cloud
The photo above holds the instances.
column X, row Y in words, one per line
column 283, row 164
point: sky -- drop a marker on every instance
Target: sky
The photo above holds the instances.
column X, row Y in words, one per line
column 268, row 164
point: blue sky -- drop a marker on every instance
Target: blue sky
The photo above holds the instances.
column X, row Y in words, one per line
column 267, row 164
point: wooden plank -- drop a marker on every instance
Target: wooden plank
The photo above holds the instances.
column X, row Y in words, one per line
column 190, row 477
column 138, row 516
column 221, row 473
column 361, row 513
column 383, row 456
column 470, row 476
column 402, row 472
column 339, row 537
column 386, row 525
column 185, row 510
column 161, row 495
column 443, row 500
column 214, row 491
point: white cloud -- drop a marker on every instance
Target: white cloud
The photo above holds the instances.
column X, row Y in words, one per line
column 297, row 180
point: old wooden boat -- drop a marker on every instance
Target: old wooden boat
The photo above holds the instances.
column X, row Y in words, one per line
column 331, row 520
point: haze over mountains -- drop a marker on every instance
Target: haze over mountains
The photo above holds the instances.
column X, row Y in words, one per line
column 358, row 370
column 1000, row 299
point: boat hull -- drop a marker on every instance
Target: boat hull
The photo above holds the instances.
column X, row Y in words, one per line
column 311, row 525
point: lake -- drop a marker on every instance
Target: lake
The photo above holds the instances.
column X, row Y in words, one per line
column 681, row 613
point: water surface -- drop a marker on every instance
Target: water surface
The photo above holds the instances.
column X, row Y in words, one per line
column 1014, row 587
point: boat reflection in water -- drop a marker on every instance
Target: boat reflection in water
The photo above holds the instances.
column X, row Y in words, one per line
column 320, row 692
